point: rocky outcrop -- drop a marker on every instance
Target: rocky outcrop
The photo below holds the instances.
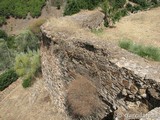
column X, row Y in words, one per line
column 125, row 82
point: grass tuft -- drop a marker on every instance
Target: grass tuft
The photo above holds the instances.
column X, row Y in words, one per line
column 149, row 52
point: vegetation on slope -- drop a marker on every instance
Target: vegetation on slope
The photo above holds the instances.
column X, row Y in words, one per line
column 20, row 52
column 113, row 9
column 7, row 78
column 27, row 65
column 20, row 8
column 149, row 52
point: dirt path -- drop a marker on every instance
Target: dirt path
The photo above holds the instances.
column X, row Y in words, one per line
column 142, row 27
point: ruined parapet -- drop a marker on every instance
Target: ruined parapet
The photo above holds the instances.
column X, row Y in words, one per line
column 123, row 80
column 88, row 19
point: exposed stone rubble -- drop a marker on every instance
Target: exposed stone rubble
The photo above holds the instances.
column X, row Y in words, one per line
column 125, row 82
column 88, row 19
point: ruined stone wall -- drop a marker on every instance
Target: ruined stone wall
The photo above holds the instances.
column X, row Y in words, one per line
column 123, row 87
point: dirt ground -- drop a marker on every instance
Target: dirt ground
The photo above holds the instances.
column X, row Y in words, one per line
column 142, row 27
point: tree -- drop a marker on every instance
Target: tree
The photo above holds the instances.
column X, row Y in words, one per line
column 112, row 14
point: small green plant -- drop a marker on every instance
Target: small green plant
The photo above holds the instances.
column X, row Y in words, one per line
column 112, row 14
column 27, row 82
column 97, row 31
column 2, row 20
column 27, row 65
column 7, row 78
column 149, row 52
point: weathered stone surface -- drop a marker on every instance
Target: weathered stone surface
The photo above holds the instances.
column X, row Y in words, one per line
column 152, row 115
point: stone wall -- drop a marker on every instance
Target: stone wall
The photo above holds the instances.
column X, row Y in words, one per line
column 124, row 88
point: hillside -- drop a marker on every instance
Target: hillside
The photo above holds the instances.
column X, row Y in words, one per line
column 79, row 59
column 142, row 27
column 124, row 82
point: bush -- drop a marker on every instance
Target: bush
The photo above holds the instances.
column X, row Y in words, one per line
column 71, row 7
column 7, row 78
column 20, row 8
column 25, row 41
column 27, row 65
column 27, row 83
column 2, row 20
column 3, row 34
column 82, row 98
column 149, row 52
column 74, row 6
column 117, row 3
column 142, row 3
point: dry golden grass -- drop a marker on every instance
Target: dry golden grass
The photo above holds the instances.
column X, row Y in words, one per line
column 35, row 26
column 82, row 97
column 142, row 27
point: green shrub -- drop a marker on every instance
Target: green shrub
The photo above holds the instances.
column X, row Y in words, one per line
column 20, row 8
column 2, row 20
column 129, row 7
column 7, row 78
column 27, row 83
column 74, row 6
column 71, row 7
column 143, row 3
column 117, row 3
column 149, row 52
column 27, row 65
column 26, row 40
column 3, row 34
column 6, row 55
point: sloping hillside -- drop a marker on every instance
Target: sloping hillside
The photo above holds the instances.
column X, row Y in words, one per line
column 142, row 27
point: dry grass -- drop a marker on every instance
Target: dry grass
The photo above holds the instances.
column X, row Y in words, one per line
column 142, row 27
column 35, row 26
column 82, row 97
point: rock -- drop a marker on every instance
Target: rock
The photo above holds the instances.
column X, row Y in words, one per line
column 131, row 97
column 142, row 93
column 124, row 92
column 153, row 93
column 126, row 83
column 133, row 89
column 152, row 115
